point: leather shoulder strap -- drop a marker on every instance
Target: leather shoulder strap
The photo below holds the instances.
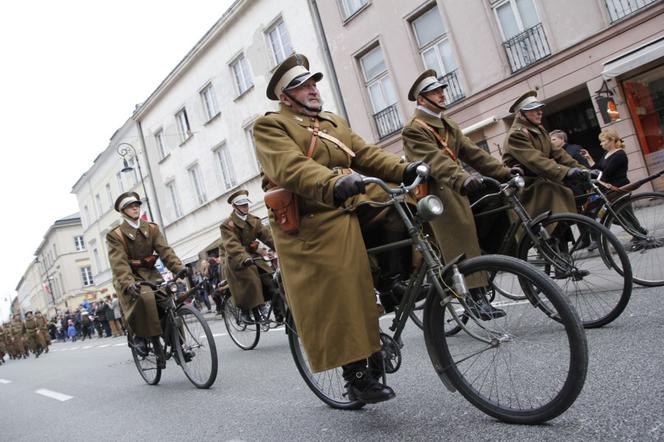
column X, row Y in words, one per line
column 440, row 140
column 122, row 239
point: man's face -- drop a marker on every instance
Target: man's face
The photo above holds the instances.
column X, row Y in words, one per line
column 243, row 209
column 437, row 96
column 557, row 141
column 307, row 93
column 534, row 115
column 133, row 210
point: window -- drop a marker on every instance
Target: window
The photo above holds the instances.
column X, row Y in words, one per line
column 95, row 255
column 197, row 183
column 209, row 102
column 623, row 8
column 86, row 276
column 432, row 40
column 86, row 216
column 175, row 200
column 134, row 170
column 225, row 166
column 279, row 42
column 184, row 130
column 161, row 143
column 515, row 16
column 381, row 92
column 249, row 133
column 79, row 243
column 109, row 195
column 118, row 177
column 100, row 209
column 350, row 7
column 240, row 69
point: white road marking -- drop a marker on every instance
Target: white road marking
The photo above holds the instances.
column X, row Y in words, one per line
column 118, row 345
column 216, row 335
column 5, row 381
column 74, row 348
column 104, row 346
column 86, row 347
column 53, row 395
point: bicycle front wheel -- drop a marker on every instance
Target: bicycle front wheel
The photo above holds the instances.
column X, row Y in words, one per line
column 639, row 225
column 329, row 385
column 597, row 281
column 148, row 365
column 244, row 334
column 194, row 346
column 524, row 367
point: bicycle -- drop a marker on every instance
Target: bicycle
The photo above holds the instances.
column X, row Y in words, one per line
column 483, row 363
column 597, row 283
column 637, row 221
column 247, row 334
column 186, row 337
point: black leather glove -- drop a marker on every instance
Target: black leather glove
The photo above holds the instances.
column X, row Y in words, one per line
column 134, row 290
column 574, row 173
column 410, row 173
column 347, row 186
column 248, row 262
column 473, row 183
column 516, row 170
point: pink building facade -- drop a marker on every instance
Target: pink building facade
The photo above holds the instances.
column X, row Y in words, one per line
column 579, row 56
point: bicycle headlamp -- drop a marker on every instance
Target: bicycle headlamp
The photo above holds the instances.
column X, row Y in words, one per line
column 430, row 207
column 519, row 181
column 173, row 288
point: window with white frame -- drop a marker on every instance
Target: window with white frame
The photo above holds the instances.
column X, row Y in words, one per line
column 100, row 208
column 515, row 16
column 86, row 275
column 197, row 183
column 280, row 42
column 118, row 177
column 377, row 80
column 350, row 7
column 175, row 199
column 97, row 263
column 79, row 243
column 160, row 140
column 209, row 102
column 225, row 166
column 109, row 195
column 86, row 216
column 249, row 133
column 433, row 42
column 241, row 74
column 184, row 129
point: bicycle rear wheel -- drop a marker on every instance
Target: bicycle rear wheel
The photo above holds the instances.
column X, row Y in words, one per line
column 523, row 368
column 329, row 385
column 245, row 335
column 194, row 346
column 598, row 283
column 639, row 226
column 147, row 366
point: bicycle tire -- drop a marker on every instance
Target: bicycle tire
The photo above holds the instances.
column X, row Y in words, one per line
column 644, row 249
column 329, row 385
column 598, row 285
column 147, row 366
column 545, row 370
column 192, row 334
column 244, row 335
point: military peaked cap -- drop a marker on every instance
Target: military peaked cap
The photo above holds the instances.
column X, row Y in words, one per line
column 525, row 102
column 239, row 198
column 125, row 199
column 426, row 82
column 291, row 73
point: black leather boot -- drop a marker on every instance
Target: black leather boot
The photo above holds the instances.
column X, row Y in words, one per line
column 245, row 316
column 481, row 308
column 362, row 386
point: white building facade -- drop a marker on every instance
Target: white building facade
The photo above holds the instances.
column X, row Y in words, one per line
column 197, row 125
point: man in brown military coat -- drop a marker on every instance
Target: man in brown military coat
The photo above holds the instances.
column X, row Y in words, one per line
column 434, row 138
column 43, row 336
column 528, row 145
column 3, row 344
column 243, row 267
column 32, row 333
column 131, row 253
column 325, row 266
column 18, row 336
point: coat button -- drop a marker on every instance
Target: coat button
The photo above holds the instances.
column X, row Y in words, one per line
column 311, row 215
column 441, row 187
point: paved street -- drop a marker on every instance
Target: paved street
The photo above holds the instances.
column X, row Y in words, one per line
column 91, row 390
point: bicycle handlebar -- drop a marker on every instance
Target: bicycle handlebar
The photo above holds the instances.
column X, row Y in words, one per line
column 422, row 174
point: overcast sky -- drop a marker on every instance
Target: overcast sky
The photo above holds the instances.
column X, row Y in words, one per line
column 72, row 72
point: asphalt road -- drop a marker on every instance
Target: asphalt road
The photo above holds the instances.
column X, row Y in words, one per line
column 259, row 396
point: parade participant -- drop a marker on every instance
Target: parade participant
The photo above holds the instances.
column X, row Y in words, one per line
column 432, row 137
column 43, row 336
column 32, row 333
column 307, row 155
column 3, row 344
column 547, row 167
column 131, row 253
column 246, row 273
column 18, row 333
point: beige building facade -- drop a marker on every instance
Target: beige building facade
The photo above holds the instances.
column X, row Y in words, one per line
column 578, row 55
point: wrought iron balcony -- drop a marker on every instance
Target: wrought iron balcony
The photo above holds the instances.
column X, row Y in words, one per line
column 527, row 48
column 619, row 9
column 388, row 121
column 454, row 91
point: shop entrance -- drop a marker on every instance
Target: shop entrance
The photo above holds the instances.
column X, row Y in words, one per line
column 574, row 114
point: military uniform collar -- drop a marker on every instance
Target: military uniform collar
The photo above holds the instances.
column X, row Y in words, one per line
column 239, row 221
column 303, row 120
column 520, row 124
column 430, row 119
column 131, row 233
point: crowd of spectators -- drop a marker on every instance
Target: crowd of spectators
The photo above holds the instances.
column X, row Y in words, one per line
column 101, row 318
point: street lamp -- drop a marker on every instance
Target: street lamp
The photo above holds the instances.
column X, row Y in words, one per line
column 48, row 280
column 127, row 152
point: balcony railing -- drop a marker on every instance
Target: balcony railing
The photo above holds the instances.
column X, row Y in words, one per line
column 388, row 121
column 619, row 9
column 527, row 47
column 454, row 91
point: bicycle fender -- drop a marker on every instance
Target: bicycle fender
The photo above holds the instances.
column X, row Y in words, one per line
column 442, row 373
column 539, row 218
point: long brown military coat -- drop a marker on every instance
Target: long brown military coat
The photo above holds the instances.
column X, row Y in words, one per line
column 238, row 242
column 18, row 335
column 32, row 332
column 455, row 229
column 42, row 324
column 3, row 340
column 545, row 167
column 325, row 266
column 141, row 314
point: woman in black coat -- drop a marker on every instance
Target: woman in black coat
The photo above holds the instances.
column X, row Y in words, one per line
column 614, row 164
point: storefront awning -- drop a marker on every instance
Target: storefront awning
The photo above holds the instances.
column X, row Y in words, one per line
column 479, row 125
column 634, row 59
column 188, row 251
